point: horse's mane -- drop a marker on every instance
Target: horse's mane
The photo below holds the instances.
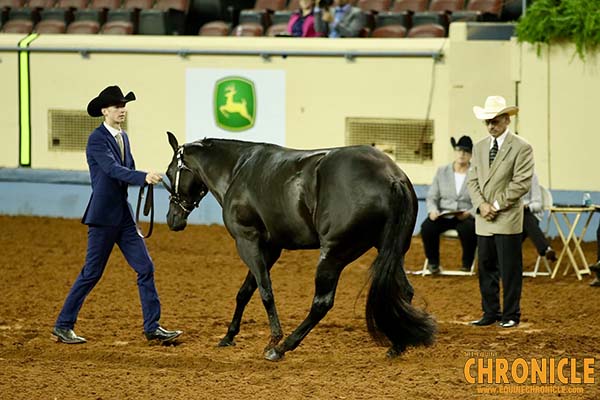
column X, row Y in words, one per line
column 216, row 141
column 207, row 142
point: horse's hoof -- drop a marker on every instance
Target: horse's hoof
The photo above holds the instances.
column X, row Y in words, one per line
column 273, row 355
column 226, row 343
column 394, row 352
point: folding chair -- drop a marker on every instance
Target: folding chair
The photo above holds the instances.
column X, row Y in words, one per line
column 452, row 234
column 547, row 203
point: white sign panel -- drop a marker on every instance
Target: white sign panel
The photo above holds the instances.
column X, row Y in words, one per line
column 235, row 104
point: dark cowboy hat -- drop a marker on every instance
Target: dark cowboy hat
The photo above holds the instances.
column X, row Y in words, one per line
column 464, row 143
column 111, row 96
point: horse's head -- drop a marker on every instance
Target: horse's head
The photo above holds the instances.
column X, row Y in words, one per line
column 187, row 187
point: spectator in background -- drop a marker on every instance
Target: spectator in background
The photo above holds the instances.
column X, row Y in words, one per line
column 596, row 267
column 449, row 207
column 302, row 21
column 532, row 203
column 345, row 21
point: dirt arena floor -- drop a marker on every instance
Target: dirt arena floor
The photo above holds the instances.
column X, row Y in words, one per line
column 198, row 274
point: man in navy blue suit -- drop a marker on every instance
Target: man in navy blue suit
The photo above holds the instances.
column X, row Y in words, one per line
column 110, row 219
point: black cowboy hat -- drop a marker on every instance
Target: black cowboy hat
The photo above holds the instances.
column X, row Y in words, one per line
column 111, row 96
column 464, row 143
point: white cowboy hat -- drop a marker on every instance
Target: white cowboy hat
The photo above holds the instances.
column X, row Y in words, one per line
column 494, row 106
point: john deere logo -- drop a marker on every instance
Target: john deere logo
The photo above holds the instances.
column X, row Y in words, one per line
column 235, row 104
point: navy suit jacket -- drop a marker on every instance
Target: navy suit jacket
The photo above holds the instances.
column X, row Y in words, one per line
column 110, row 178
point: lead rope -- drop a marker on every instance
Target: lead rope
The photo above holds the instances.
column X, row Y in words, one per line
column 148, row 209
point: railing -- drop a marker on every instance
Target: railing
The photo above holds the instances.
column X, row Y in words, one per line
column 266, row 54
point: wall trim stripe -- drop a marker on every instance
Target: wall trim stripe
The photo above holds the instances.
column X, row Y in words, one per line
column 25, row 103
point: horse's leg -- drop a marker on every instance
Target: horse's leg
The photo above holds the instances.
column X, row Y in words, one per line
column 243, row 297
column 326, row 279
column 260, row 258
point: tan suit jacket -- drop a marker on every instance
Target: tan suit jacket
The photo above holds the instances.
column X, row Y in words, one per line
column 506, row 181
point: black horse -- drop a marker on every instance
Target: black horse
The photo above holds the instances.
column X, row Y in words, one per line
column 342, row 201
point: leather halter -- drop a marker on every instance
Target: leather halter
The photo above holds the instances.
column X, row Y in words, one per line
column 175, row 196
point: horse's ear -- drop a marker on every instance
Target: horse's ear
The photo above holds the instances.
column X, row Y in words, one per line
column 173, row 141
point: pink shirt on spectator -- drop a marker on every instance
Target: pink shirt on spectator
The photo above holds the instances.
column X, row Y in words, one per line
column 308, row 27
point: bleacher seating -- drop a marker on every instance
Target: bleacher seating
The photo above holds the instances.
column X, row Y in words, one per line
column 480, row 10
column 63, row 10
column 6, row 6
column 280, row 18
column 128, row 14
column 215, row 28
column 446, row 5
column 278, row 30
column 393, row 18
column 389, row 31
column 83, row 27
column 117, row 28
column 371, row 8
column 262, row 12
column 30, row 11
column 248, row 29
column 217, row 17
column 166, row 17
column 18, row 26
column 97, row 11
column 431, row 18
column 410, row 5
column 50, row 26
column 427, row 31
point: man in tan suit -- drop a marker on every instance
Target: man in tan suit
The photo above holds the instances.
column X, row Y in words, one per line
column 501, row 173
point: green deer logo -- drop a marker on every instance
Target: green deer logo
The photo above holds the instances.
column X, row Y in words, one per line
column 235, row 104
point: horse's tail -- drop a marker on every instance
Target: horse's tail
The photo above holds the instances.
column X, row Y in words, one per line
column 391, row 319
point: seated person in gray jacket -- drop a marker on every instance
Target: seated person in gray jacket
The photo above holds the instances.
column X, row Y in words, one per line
column 449, row 207
column 532, row 202
column 343, row 21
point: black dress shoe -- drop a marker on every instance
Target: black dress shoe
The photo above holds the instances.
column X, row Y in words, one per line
column 485, row 321
column 67, row 336
column 511, row 323
column 595, row 283
column 595, row 267
column 550, row 254
column 434, row 269
column 162, row 335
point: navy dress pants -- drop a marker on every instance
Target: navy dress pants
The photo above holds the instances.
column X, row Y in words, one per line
column 101, row 240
